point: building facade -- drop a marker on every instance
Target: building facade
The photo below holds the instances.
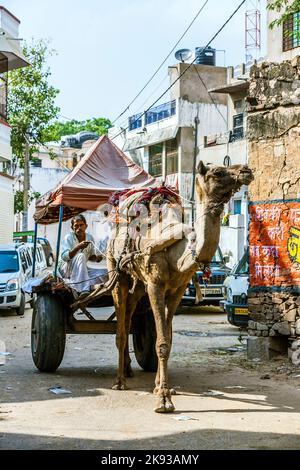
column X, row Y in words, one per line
column 274, row 142
column 11, row 58
column 165, row 140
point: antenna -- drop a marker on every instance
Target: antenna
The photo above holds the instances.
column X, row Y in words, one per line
column 183, row 54
column 253, row 30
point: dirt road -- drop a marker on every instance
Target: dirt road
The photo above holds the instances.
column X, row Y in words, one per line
column 226, row 400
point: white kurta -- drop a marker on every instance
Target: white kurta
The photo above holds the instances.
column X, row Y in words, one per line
column 75, row 271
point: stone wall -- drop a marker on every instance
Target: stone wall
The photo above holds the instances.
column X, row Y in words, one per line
column 273, row 130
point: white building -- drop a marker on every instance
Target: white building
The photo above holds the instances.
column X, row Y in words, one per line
column 165, row 140
column 11, row 58
column 284, row 40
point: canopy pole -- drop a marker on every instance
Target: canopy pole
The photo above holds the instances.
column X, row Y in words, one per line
column 61, row 215
column 34, row 248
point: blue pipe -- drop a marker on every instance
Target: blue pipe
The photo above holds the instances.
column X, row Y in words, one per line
column 61, row 215
column 34, row 249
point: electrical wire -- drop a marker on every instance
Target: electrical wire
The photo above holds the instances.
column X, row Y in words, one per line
column 164, row 61
column 210, row 95
column 188, row 67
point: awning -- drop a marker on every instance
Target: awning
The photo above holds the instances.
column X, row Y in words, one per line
column 102, row 171
column 150, row 138
column 11, row 52
column 234, row 87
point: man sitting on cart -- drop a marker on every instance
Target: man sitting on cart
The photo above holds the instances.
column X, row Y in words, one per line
column 78, row 247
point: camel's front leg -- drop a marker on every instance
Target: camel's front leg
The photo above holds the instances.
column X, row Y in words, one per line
column 171, row 303
column 157, row 300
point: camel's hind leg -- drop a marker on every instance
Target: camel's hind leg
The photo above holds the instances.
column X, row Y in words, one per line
column 120, row 293
column 157, row 300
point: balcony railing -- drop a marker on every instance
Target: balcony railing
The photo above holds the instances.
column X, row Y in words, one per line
column 135, row 122
column 163, row 111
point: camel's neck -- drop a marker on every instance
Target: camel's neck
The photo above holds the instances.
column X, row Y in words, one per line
column 207, row 227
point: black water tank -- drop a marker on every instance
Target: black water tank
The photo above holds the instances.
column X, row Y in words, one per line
column 205, row 56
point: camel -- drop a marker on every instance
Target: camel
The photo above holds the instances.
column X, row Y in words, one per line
column 164, row 275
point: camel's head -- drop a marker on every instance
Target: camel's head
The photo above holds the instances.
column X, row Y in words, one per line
column 216, row 184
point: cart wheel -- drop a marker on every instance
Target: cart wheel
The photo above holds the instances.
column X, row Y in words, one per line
column 48, row 333
column 144, row 339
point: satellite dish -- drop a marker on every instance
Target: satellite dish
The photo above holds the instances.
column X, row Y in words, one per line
column 183, row 54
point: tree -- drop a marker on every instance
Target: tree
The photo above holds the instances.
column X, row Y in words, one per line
column 31, row 107
column 285, row 8
column 57, row 129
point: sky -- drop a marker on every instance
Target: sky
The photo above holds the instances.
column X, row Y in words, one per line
column 107, row 50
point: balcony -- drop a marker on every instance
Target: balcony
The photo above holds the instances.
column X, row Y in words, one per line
column 159, row 113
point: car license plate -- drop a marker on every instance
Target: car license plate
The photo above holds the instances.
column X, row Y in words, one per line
column 211, row 291
column 241, row 311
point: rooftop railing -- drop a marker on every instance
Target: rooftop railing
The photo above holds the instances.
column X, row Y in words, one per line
column 163, row 111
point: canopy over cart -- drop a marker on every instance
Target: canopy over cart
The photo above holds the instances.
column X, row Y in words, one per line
column 102, row 171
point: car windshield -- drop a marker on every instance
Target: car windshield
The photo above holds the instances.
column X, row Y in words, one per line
column 217, row 257
column 9, row 262
column 242, row 266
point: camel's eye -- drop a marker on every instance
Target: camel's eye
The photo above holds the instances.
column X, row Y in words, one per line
column 219, row 173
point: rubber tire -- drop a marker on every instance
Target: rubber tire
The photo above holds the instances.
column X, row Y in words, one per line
column 48, row 335
column 21, row 309
column 50, row 261
column 144, row 340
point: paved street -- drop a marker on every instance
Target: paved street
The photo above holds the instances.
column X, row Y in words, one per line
column 227, row 402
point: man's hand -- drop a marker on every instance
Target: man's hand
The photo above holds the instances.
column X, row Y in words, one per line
column 79, row 247
column 82, row 245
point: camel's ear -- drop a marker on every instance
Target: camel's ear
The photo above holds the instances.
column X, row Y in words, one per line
column 202, row 169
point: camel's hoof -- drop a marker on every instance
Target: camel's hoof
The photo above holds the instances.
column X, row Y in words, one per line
column 165, row 408
column 172, row 391
column 119, row 386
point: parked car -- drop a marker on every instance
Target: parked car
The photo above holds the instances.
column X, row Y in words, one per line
column 211, row 288
column 15, row 270
column 235, row 291
column 47, row 250
column 29, row 236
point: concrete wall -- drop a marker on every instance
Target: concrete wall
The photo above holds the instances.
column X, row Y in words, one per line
column 274, row 134
column 216, row 153
column 190, row 87
column 6, row 209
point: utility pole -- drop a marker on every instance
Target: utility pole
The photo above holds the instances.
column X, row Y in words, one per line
column 26, row 186
column 196, row 121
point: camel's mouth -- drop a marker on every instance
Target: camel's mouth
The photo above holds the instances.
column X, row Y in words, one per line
column 246, row 176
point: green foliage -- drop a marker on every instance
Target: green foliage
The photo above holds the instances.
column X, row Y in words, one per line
column 285, row 8
column 19, row 200
column 56, row 130
column 31, row 99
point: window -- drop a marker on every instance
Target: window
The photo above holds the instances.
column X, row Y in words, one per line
column 291, row 32
column 155, row 160
column 237, row 206
column 172, row 156
column 9, row 262
column 238, row 127
column 3, row 97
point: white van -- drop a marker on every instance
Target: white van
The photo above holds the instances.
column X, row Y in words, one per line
column 15, row 270
column 235, row 291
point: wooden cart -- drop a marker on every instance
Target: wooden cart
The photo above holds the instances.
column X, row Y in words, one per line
column 53, row 318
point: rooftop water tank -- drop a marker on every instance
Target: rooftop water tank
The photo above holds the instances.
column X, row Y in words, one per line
column 205, row 56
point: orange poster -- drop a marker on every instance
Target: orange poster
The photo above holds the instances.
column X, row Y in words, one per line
column 274, row 244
